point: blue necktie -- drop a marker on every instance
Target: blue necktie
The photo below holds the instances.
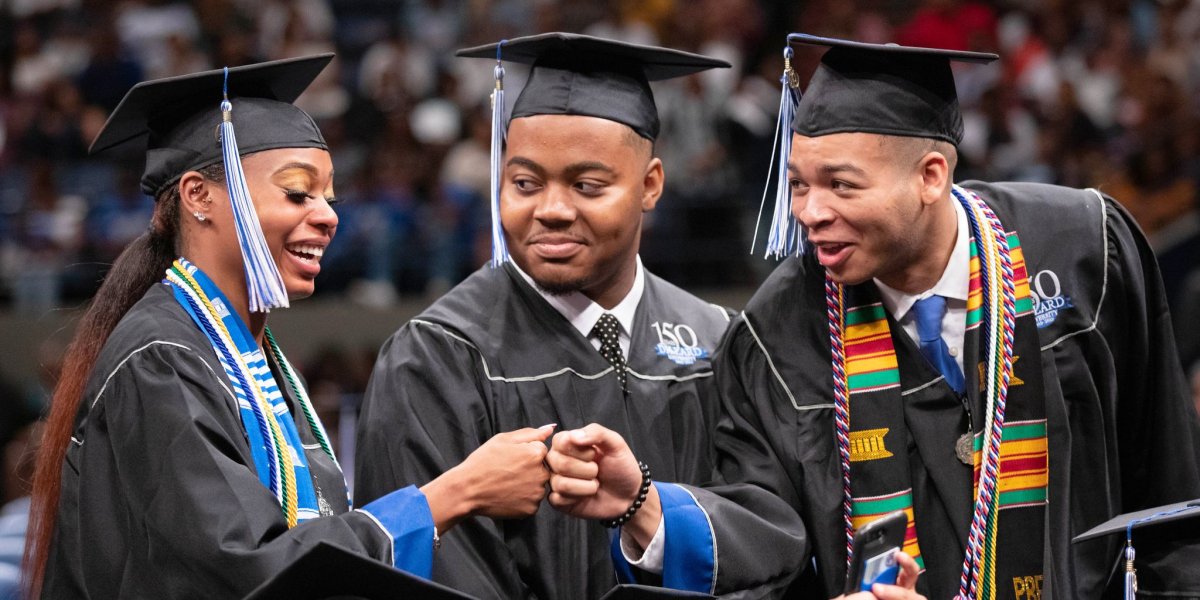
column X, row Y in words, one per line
column 929, row 329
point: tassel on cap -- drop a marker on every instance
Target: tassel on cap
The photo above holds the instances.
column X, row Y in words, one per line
column 785, row 234
column 1130, row 572
column 499, row 246
column 264, row 285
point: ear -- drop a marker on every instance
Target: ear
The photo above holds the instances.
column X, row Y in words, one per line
column 934, row 173
column 652, row 184
column 195, row 195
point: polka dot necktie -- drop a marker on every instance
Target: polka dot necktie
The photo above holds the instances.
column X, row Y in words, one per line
column 608, row 331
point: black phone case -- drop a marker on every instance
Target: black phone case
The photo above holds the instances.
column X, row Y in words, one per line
column 873, row 539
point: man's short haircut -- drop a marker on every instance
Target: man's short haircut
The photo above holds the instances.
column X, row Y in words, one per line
column 913, row 149
column 635, row 140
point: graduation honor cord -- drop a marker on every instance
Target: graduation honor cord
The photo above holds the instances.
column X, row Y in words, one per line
column 273, row 440
column 996, row 274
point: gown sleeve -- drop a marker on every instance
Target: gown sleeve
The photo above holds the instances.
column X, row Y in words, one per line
column 166, row 439
column 1156, row 423
column 740, row 534
column 1157, row 429
column 423, row 413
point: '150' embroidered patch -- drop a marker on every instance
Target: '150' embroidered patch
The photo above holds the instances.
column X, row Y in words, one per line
column 1048, row 298
column 678, row 343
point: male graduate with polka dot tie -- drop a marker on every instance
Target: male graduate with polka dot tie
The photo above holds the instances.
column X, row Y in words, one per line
column 565, row 327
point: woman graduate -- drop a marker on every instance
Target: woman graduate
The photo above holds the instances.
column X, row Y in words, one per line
column 183, row 457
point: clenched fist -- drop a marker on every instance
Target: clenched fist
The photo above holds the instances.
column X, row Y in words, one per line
column 596, row 476
column 504, row 478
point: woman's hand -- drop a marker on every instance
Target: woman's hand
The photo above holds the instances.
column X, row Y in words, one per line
column 905, row 588
column 504, row 478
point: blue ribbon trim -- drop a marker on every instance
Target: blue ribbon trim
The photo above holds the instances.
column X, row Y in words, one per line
column 405, row 515
column 624, row 569
column 689, row 554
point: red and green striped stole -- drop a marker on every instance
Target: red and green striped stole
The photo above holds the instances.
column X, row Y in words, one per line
column 1024, row 464
column 1024, row 302
column 868, row 509
column 870, row 357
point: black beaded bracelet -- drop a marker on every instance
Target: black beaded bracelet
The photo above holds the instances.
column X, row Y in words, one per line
column 633, row 508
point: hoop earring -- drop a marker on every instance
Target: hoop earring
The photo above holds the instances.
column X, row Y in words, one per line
column 199, row 216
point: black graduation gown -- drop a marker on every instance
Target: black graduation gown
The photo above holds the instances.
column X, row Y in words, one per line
column 160, row 498
column 493, row 356
column 1122, row 433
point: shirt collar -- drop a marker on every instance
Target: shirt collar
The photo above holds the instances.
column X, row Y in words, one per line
column 583, row 313
column 955, row 281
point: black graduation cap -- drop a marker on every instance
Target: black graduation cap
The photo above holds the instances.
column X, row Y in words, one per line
column 177, row 117
column 328, row 571
column 577, row 74
column 1147, row 529
column 582, row 75
column 882, row 88
column 858, row 87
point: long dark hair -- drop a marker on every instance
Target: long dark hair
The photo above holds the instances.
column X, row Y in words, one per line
column 140, row 266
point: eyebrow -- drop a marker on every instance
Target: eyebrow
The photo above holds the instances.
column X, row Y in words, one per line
column 311, row 170
column 570, row 171
column 583, row 167
column 519, row 161
column 841, row 167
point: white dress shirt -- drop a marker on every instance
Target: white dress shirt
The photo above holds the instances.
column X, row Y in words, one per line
column 583, row 313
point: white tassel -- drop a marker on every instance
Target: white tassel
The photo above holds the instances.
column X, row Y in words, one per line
column 499, row 246
column 785, row 235
column 264, row 285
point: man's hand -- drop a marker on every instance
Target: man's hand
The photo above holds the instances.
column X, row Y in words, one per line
column 504, row 478
column 596, row 476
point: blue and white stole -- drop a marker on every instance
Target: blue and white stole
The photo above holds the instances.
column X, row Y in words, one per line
column 274, row 441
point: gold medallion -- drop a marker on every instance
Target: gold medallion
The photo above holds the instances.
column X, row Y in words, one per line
column 964, row 449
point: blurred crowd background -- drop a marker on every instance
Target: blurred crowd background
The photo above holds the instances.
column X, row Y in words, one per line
column 1096, row 93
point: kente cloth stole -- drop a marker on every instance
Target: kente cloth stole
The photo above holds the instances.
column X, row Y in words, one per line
column 1003, row 553
column 275, row 444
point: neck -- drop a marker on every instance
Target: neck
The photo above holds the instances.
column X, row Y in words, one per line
column 232, row 283
column 933, row 256
column 258, row 326
column 613, row 290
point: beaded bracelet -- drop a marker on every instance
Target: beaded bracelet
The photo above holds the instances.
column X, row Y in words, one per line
column 633, row 508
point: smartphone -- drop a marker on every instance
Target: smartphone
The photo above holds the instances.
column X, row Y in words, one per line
column 875, row 547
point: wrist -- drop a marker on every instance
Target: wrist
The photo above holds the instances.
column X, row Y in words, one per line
column 451, row 499
column 638, row 501
column 646, row 520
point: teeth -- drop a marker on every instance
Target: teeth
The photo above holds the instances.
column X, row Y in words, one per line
column 316, row 251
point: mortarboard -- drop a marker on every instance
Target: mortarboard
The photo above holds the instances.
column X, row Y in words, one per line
column 582, row 75
column 1182, row 536
column 188, row 122
column 328, row 571
column 883, row 89
column 176, row 118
